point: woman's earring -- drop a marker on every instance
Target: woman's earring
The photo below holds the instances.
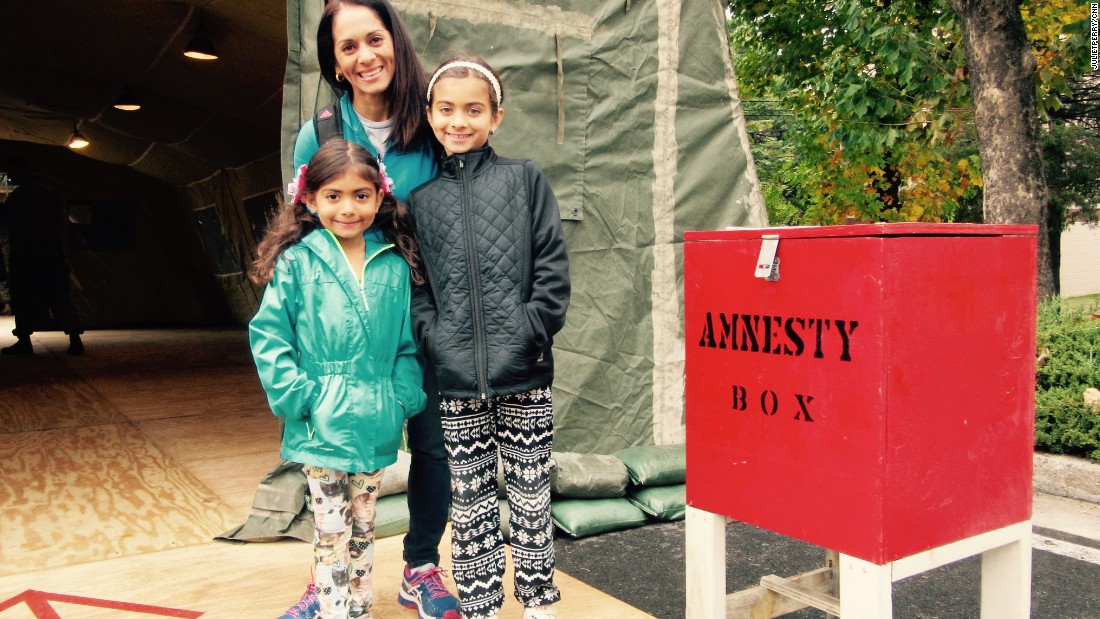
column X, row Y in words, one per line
column 339, row 77
column 492, row 131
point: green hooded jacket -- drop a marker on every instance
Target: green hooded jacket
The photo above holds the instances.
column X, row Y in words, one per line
column 337, row 360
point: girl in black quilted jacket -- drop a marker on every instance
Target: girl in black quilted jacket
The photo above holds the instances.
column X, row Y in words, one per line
column 497, row 292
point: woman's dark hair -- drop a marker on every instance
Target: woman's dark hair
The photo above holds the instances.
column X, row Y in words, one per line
column 461, row 71
column 408, row 89
column 294, row 220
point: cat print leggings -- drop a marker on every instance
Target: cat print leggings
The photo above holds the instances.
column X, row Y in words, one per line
column 522, row 427
column 343, row 541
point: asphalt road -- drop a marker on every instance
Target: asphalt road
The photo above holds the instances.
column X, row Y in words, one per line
column 645, row 568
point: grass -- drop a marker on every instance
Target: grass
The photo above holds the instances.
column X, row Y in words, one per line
column 1087, row 302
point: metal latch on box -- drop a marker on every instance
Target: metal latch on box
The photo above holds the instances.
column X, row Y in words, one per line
column 767, row 265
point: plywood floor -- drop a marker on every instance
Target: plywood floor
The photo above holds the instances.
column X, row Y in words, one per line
column 119, row 467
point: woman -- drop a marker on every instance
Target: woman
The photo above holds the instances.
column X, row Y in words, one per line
column 366, row 55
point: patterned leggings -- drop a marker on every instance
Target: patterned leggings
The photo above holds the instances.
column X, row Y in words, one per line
column 343, row 541
column 523, row 427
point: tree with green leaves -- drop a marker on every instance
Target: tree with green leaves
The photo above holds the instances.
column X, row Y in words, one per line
column 1002, row 66
column 885, row 125
column 876, row 91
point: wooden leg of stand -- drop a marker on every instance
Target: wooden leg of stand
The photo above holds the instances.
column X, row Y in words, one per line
column 865, row 589
column 705, row 554
column 832, row 561
column 1006, row 580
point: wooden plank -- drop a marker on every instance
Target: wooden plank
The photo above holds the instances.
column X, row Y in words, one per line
column 832, row 561
column 124, row 510
column 84, row 494
column 957, row 551
column 801, row 593
column 230, row 581
column 40, row 393
column 762, row 603
column 865, row 589
column 705, row 557
column 228, row 456
column 1006, row 579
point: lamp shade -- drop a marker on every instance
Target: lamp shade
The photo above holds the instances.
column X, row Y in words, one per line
column 127, row 101
column 77, row 141
column 200, row 48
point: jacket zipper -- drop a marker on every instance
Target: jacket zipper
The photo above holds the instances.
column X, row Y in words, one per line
column 362, row 288
column 363, row 274
column 481, row 352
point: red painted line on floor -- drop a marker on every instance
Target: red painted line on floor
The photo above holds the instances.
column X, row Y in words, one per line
column 39, row 604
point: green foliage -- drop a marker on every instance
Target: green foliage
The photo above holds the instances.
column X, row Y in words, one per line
column 876, row 92
column 769, row 127
column 1071, row 156
column 1070, row 342
column 1059, row 33
column 879, row 123
column 780, row 211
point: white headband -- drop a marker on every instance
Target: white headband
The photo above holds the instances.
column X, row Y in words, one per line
column 468, row 65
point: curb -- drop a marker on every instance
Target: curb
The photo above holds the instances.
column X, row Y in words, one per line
column 1067, row 476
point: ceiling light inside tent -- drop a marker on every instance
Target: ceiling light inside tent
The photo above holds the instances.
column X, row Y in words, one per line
column 76, row 140
column 200, row 47
column 127, row 101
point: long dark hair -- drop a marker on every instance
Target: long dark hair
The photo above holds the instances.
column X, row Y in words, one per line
column 407, row 90
column 293, row 220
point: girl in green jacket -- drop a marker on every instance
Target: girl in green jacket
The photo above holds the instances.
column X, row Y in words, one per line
column 333, row 347
column 366, row 55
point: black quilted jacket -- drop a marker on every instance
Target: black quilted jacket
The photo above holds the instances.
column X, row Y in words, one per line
column 498, row 273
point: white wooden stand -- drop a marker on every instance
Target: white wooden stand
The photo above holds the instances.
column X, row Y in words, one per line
column 848, row 587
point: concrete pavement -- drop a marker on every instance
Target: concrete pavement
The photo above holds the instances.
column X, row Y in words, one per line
column 1066, row 508
column 1078, row 518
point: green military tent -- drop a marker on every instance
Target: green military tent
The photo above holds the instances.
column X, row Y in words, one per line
column 630, row 106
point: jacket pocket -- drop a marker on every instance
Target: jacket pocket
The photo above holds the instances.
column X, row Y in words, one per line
column 333, row 391
column 431, row 348
column 391, row 419
column 535, row 333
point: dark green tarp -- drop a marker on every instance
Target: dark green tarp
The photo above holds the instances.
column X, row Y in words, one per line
column 631, row 108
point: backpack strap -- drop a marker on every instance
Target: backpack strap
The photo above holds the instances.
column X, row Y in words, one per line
column 326, row 123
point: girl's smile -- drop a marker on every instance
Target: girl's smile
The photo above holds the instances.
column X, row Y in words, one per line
column 347, row 206
column 461, row 114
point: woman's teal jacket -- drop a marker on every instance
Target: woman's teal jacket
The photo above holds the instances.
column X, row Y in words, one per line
column 407, row 169
column 337, row 360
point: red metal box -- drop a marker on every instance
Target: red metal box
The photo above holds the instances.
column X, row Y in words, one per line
column 876, row 399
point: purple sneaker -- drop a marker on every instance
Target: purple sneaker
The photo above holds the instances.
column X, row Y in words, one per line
column 308, row 607
column 424, row 591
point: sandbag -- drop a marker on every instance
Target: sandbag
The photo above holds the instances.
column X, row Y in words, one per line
column 279, row 509
column 391, row 516
column 655, row 465
column 583, row 517
column 588, row 476
column 395, row 478
column 662, row 503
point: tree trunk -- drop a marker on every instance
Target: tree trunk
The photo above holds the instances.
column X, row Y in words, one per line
column 1002, row 72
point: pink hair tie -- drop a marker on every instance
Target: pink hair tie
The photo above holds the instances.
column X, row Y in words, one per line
column 297, row 185
column 387, row 182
